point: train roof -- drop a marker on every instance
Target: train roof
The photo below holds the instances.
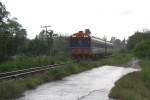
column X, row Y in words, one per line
column 100, row 40
column 84, row 34
column 80, row 34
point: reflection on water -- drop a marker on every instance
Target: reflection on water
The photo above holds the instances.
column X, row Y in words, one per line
column 90, row 85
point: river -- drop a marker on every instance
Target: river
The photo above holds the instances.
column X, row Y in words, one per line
column 94, row 84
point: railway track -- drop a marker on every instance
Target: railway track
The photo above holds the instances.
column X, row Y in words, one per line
column 23, row 72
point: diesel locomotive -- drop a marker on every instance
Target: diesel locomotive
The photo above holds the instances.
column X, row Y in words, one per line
column 83, row 45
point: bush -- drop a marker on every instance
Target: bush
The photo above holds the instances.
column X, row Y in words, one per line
column 145, row 72
column 142, row 49
column 21, row 62
column 130, row 87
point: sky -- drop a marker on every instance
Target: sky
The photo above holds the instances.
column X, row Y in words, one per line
column 117, row 18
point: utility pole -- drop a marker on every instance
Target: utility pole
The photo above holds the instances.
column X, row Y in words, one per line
column 49, row 38
column 46, row 27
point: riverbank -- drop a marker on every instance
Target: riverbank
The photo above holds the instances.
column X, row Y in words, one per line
column 134, row 86
column 14, row 88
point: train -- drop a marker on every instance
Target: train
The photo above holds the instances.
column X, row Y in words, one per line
column 83, row 45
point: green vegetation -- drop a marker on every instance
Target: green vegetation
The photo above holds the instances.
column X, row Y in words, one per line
column 12, row 35
column 134, row 86
column 21, row 62
column 121, row 58
column 145, row 73
column 142, row 49
column 136, row 38
column 14, row 41
column 130, row 87
column 14, row 88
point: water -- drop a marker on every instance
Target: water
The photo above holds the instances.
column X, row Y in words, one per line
column 90, row 85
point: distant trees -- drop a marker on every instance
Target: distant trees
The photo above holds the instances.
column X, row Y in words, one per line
column 61, row 45
column 44, row 44
column 131, row 43
column 118, row 44
column 3, row 31
column 142, row 49
column 36, row 47
column 13, row 39
column 18, row 36
column 139, row 43
column 137, row 38
column 48, row 36
column 12, row 35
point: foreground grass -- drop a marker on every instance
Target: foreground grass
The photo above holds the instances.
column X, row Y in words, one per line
column 14, row 88
column 134, row 86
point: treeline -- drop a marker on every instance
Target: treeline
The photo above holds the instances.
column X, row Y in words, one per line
column 118, row 45
column 139, row 44
column 14, row 41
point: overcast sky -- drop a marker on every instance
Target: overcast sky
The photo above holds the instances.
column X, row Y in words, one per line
column 119, row 18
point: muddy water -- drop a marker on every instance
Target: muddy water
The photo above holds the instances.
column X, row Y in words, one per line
column 90, row 85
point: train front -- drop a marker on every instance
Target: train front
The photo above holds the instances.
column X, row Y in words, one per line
column 80, row 44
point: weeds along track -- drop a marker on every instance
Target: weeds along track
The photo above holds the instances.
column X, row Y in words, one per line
column 23, row 72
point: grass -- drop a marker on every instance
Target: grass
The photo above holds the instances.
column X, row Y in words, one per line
column 118, row 59
column 14, row 88
column 134, row 86
column 21, row 62
column 145, row 73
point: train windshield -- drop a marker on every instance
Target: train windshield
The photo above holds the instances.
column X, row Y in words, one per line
column 80, row 42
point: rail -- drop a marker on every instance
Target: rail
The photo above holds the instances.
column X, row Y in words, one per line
column 23, row 72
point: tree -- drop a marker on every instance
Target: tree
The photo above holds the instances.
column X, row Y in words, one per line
column 88, row 31
column 117, row 44
column 137, row 38
column 18, row 35
column 4, row 34
column 12, row 35
column 61, row 45
column 142, row 49
column 3, row 12
column 48, row 36
column 36, row 47
column 112, row 40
